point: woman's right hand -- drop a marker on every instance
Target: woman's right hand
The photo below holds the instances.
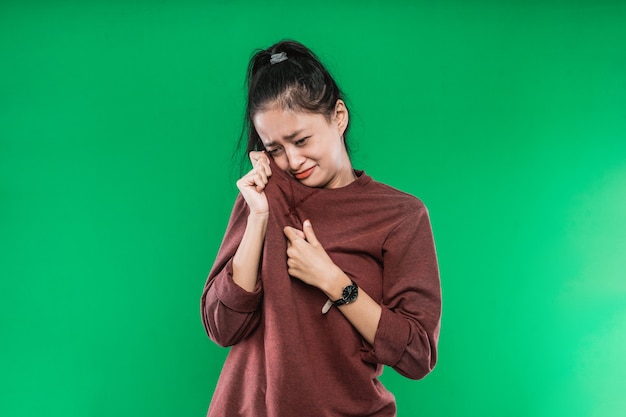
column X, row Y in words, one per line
column 253, row 183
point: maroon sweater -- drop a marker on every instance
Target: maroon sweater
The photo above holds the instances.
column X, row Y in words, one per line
column 287, row 358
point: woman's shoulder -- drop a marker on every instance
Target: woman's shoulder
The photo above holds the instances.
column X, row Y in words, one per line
column 379, row 190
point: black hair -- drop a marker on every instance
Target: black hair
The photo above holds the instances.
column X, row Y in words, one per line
column 299, row 83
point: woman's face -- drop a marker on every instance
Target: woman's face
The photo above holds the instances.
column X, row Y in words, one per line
column 308, row 146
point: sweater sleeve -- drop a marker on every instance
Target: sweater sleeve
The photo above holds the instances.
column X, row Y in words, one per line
column 230, row 313
column 408, row 330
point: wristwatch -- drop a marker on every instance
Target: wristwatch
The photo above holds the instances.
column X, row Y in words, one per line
column 348, row 295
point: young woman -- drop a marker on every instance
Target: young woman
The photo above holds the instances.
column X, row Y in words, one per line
column 324, row 275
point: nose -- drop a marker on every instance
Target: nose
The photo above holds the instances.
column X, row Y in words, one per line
column 295, row 158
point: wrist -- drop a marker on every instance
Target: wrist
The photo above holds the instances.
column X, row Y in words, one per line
column 258, row 217
column 334, row 287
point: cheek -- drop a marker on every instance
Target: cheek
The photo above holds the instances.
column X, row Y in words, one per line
column 335, row 147
column 282, row 162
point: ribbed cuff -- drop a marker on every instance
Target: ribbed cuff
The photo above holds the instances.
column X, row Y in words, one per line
column 392, row 337
column 233, row 296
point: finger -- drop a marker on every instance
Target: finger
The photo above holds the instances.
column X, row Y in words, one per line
column 254, row 177
column 292, row 233
column 260, row 180
column 264, row 164
column 255, row 155
column 261, row 162
column 261, row 175
column 247, row 181
column 289, row 233
column 309, row 234
column 292, row 268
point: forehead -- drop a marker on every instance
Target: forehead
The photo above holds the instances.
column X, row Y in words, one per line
column 277, row 123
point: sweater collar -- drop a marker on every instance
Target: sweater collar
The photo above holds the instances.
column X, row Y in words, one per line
column 283, row 177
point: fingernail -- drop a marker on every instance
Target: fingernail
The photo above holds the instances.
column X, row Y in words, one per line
column 307, row 222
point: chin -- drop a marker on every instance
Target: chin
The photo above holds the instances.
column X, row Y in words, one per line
column 310, row 182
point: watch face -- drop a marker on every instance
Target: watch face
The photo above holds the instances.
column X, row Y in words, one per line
column 350, row 293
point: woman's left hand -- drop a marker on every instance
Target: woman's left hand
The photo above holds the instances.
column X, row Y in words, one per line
column 307, row 260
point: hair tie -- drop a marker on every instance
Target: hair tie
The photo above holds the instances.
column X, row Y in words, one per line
column 277, row 58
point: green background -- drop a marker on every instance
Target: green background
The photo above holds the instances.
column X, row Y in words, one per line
column 117, row 127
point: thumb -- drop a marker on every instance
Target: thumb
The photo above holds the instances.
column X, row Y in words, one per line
column 292, row 233
column 309, row 234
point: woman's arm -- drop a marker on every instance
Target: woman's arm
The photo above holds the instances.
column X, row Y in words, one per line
column 404, row 329
column 364, row 313
column 248, row 255
column 232, row 293
column 247, row 258
column 308, row 261
column 408, row 332
column 229, row 312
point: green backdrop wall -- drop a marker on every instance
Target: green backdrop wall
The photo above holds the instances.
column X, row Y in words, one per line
column 117, row 125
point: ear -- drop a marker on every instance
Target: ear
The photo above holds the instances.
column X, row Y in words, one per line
column 341, row 116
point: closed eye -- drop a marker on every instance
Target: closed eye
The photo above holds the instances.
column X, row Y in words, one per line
column 301, row 142
column 275, row 151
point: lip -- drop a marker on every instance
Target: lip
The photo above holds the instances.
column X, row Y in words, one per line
column 302, row 175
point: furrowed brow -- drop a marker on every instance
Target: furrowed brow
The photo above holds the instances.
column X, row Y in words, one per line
column 292, row 135
column 288, row 137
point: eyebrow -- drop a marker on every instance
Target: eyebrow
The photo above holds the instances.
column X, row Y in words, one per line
column 288, row 137
column 292, row 135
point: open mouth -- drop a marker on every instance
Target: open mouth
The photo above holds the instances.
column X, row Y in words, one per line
column 304, row 174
